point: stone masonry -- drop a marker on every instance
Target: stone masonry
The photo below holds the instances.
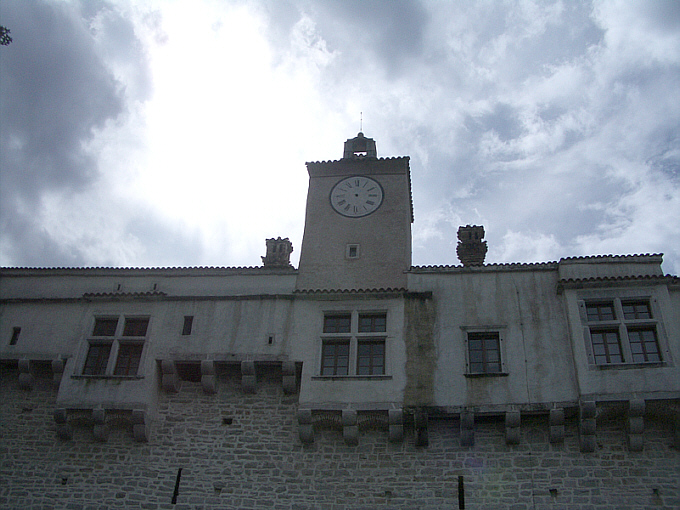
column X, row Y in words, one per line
column 238, row 450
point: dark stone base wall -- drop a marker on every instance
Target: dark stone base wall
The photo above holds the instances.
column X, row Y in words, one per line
column 243, row 451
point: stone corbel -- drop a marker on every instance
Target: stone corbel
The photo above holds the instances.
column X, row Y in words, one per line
column 289, row 377
column 512, row 427
column 467, row 428
column 171, row 381
column 396, row 425
column 636, row 425
column 208, row 377
column 57, row 371
column 556, row 425
column 140, row 426
column 587, row 426
column 64, row 430
column 305, row 426
column 248, row 377
column 350, row 427
column 420, row 419
column 26, row 379
column 100, row 429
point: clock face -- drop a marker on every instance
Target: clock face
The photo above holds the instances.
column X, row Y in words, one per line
column 356, row 196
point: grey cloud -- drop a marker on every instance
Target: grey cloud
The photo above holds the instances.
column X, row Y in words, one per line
column 55, row 93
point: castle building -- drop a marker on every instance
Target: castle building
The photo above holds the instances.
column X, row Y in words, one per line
column 354, row 381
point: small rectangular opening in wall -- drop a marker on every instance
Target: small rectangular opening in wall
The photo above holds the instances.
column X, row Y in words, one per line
column 270, row 339
column 352, row 251
column 15, row 336
column 188, row 324
column 461, row 492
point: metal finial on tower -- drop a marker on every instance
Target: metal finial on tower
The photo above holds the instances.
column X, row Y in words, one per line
column 361, row 122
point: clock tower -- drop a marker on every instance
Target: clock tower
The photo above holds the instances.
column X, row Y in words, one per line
column 358, row 221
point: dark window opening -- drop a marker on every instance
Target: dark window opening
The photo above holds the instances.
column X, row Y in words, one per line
column 15, row 336
column 484, row 353
column 335, row 358
column 97, row 359
column 337, row 323
column 105, row 327
column 371, row 358
column 372, row 323
column 135, row 327
column 129, row 356
column 188, row 323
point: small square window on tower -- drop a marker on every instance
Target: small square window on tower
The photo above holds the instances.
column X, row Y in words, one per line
column 352, row 251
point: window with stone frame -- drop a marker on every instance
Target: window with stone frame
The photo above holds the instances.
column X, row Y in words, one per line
column 622, row 331
column 484, row 353
column 354, row 343
column 115, row 346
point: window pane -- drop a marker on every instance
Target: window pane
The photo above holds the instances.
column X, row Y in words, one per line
column 335, row 358
column 636, row 310
column 97, row 359
column 105, row 327
column 135, row 327
column 475, row 345
column 606, row 346
column 339, row 323
column 372, row 323
column 371, row 358
column 129, row 356
column 600, row 311
column 484, row 352
column 644, row 345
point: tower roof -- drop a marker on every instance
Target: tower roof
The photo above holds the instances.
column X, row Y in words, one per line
column 360, row 147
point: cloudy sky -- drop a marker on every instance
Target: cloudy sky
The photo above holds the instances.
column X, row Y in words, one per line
column 175, row 133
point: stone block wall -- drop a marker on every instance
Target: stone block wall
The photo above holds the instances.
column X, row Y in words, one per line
column 238, row 450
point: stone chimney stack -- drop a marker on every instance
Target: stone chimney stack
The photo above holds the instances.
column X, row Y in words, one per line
column 471, row 249
column 278, row 253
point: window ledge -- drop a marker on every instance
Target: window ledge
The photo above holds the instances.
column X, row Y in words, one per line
column 624, row 366
column 109, row 377
column 496, row 374
column 351, row 377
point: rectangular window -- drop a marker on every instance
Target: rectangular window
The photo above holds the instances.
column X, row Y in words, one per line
column 371, row 357
column 633, row 310
column 372, row 323
column 337, row 323
column 606, row 346
column 597, row 312
column 643, row 344
column 129, row 356
column 335, row 358
column 105, row 326
column 484, row 352
column 108, row 346
column 188, row 323
column 97, row 359
column 15, row 336
column 630, row 335
column 135, row 327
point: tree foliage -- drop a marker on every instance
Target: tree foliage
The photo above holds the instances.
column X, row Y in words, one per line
column 5, row 38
